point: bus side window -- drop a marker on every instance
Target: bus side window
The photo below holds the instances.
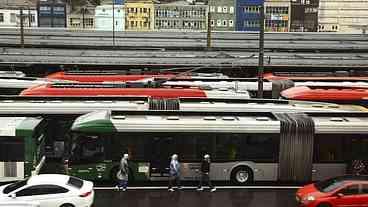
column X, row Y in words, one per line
column 88, row 149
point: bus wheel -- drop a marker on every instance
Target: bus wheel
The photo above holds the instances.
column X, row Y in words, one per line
column 67, row 205
column 242, row 175
column 113, row 172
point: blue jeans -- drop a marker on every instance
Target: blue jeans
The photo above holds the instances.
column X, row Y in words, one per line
column 123, row 184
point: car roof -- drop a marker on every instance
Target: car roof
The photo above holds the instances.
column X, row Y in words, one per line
column 48, row 179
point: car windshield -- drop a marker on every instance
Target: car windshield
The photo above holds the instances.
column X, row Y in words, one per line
column 329, row 185
column 75, row 182
column 12, row 187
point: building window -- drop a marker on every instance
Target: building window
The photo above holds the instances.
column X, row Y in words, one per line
column 212, row 23
column 224, row 9
column 212, row 8
column 251, row 24
column 231, row 10
column 224, row 23
column 1, row 17
column 219, row 9
column 219, row 23
column 12, row 17
column 251, row 9
column 231, row 23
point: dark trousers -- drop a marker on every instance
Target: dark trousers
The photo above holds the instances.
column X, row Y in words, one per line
column 205, row 177
column 123, row 184
column 174, row 179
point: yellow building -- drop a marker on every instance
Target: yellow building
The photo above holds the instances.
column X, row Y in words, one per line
column 139, row 15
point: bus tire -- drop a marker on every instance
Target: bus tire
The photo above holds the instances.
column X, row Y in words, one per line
column 113, row 172
column 67, row 205
column 242, row 175
column 324, row 205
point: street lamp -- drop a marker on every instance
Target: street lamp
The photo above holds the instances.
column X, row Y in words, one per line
column 113, row 23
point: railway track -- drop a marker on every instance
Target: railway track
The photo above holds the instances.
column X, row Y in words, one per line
column 221, row 41
column 177, row 58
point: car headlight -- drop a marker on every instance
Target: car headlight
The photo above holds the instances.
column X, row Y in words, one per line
column 310, row 198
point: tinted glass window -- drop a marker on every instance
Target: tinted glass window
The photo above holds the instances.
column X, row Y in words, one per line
column 329, row 185
column 350, row 190
column 14, row 186
column 75, row 182
column 41, row 190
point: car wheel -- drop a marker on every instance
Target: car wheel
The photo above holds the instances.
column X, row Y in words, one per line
column 242, row 175
column 67, row 205
column 323, row 205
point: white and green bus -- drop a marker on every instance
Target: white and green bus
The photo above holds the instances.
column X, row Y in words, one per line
column 21, row 147
column 244, row 146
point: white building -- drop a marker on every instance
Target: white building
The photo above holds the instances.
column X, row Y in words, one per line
column 104, row 17
column 10, row 17
column 343, row 16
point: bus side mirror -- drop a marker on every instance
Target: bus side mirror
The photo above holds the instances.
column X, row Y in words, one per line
column 340, row 195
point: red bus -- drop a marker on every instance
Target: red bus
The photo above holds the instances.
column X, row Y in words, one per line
column 129, row 89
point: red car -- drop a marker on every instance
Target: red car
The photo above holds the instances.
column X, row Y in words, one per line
column 344, row 191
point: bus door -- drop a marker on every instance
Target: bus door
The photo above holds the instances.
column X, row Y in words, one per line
column 162, row 149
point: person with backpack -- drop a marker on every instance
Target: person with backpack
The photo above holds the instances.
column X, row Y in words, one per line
column 205, row 173
column 123, row 173
column 174, row 173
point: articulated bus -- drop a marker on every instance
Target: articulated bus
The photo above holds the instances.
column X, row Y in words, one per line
column 22, row 142
column 244, row 146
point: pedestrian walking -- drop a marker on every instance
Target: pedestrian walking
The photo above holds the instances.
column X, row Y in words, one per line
column 123, row 173
column 205, row 173
column 174, row 173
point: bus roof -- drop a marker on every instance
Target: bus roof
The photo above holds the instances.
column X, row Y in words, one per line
column 18, row 126
column 242, row 122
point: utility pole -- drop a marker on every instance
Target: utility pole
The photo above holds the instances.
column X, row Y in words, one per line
column 209, row 31
column 21, row 28
column 113, row 23
column 83, row 11
column 261, row 52
column 29, row 15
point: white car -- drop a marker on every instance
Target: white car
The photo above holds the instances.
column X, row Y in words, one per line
column 49, row 190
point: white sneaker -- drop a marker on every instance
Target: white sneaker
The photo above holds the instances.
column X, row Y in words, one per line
column 200, row 189
column 117, row 188
column 171, row 190
column 124, row 189
column 213, row 189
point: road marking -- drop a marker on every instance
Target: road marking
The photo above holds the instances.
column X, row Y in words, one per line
column 192, row 187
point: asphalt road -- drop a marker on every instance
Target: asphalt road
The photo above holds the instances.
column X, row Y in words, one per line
column 191, row 198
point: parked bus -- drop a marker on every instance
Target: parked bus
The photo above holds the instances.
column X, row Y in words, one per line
column 244, row 146
column 22, row 142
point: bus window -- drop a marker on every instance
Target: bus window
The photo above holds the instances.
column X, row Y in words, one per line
column 15, row 145
column 331, row 148
column 88, row 149
column 261, row 147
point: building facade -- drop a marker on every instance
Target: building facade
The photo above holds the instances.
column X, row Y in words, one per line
column 81, row 17
column 248, row 15
column 343, row 16
column 10, row 17
column 51, row 13
column 139, row 15
column 304, row 16
column 277, row 15
column 104, row 17
column 180, row 16
column 222, row 14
